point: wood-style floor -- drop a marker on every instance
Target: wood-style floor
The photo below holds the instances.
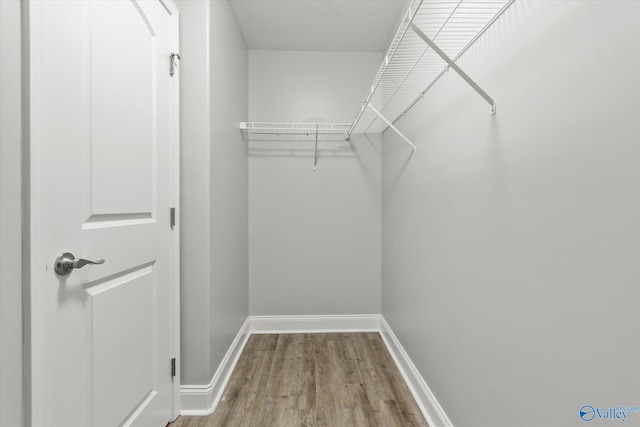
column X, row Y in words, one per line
column 336, row 380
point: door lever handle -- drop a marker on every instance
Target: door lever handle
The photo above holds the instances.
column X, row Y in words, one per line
column 67, row 262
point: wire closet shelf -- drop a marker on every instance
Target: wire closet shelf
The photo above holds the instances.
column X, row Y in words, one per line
column 432, row 35
column 269, row 131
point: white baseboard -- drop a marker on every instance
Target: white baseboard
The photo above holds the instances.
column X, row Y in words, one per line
column 200, row 400
column 426, row 400
column 314, row 324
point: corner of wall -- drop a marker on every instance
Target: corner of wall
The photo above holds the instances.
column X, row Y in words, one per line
column 228, row 221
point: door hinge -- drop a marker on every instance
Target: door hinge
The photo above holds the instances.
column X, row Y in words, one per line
column 173, row 217
column 173, row 367
column 173, row 64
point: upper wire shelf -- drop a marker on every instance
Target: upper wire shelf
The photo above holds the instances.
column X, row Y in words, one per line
column 412, row 65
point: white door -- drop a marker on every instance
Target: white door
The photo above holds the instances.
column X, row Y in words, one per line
column 101, row 129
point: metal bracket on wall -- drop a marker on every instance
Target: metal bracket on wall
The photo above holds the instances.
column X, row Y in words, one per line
column 457, row 69
column 315, row 155
column 393, row 127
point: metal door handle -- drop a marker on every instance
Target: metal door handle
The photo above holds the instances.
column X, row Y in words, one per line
column 67, row 262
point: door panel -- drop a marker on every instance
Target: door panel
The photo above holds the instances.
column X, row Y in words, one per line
column 122, row 346
column 100, row 130
column 123, row 65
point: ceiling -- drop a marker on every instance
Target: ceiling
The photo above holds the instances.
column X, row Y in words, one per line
column 318, row 25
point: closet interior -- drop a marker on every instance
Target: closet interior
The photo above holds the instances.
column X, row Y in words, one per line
column 457, row 181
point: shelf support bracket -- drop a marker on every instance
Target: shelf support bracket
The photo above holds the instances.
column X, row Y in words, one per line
column 315, row 155
column 453, row 65
column 392, row 127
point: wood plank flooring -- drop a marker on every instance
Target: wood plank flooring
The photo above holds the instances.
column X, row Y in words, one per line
column 336, row 380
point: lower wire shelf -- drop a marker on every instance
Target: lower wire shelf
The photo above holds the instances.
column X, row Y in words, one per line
column 268, row 131
column 291, row 131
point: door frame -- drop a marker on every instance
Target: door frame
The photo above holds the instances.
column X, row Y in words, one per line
column 34, row 217
column 175, row 202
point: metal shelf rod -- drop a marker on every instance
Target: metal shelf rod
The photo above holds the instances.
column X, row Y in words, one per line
column 393, row 127
column 457, row 69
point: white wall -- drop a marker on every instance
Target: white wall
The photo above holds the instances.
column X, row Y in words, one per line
column 195, row 183
column 214, row 248
column 229, row 258
column 314, row 236
column 511, row 244
column 10, row 216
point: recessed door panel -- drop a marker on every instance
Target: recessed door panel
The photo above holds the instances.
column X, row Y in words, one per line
column 123, row 112
column 123, row 326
